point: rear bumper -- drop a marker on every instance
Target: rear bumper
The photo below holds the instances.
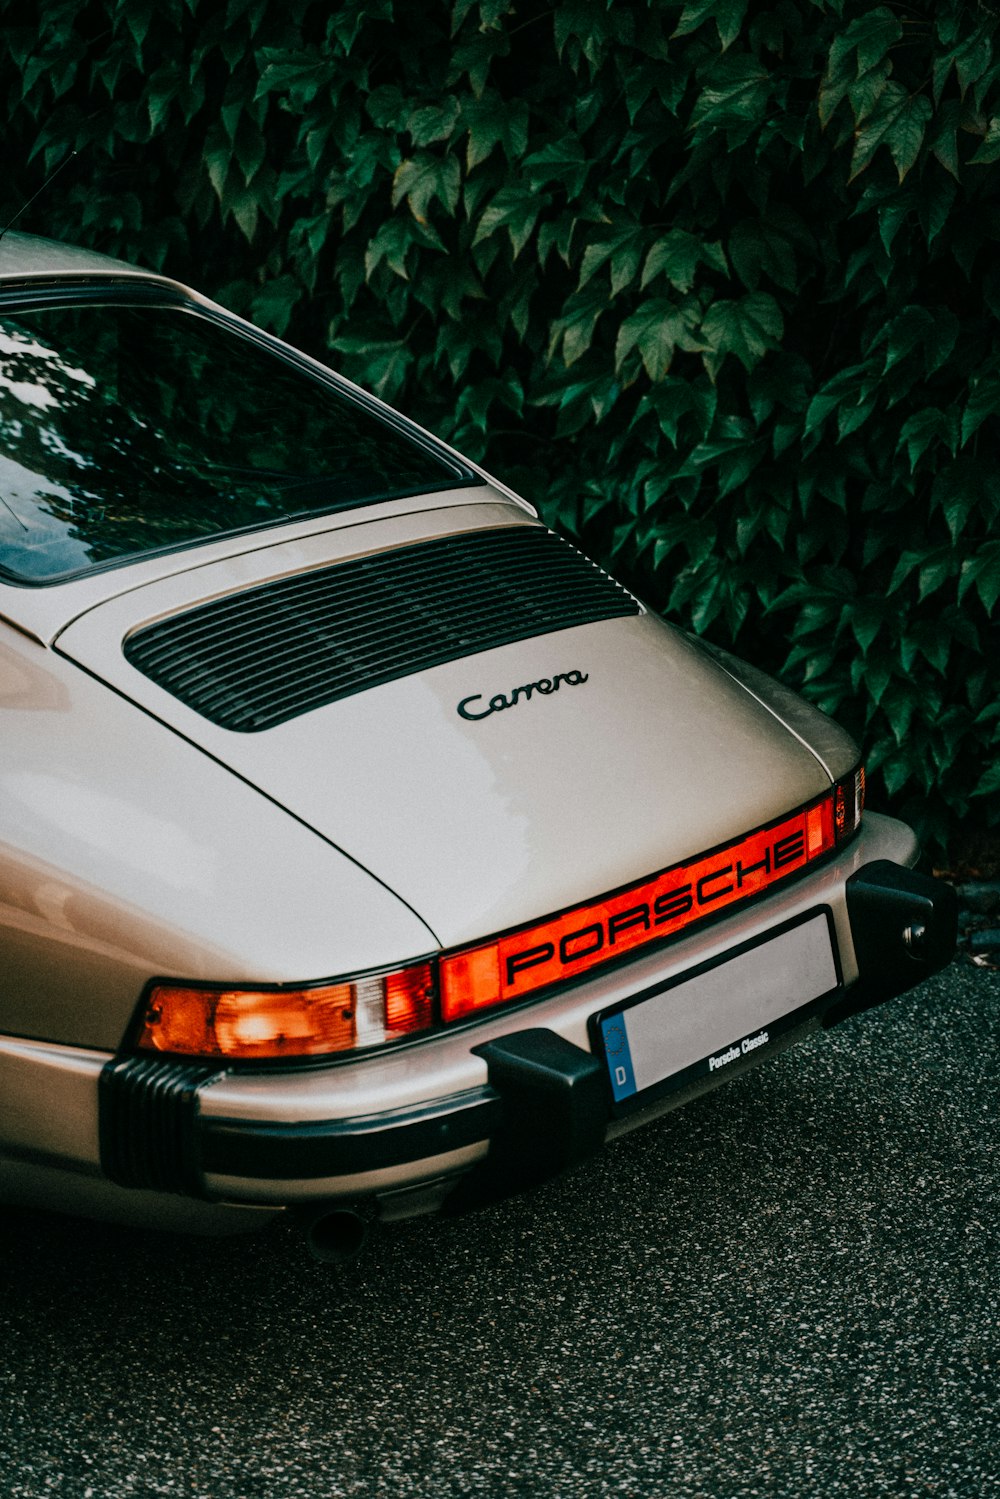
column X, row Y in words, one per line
column 484, row 1111
column 547, row 1103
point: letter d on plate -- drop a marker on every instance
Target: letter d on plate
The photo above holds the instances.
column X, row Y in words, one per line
column 616, row 1048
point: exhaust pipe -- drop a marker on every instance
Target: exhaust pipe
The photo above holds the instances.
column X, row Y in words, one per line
column 335, row 1234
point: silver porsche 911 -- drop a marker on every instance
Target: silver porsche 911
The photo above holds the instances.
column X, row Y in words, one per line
column 365, row 849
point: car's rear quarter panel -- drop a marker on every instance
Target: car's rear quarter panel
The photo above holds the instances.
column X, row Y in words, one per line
column 127, row 853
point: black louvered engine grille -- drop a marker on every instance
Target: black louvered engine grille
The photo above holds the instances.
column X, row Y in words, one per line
column 255, row 659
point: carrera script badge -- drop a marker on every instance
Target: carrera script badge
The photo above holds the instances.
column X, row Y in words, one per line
column 500, row 700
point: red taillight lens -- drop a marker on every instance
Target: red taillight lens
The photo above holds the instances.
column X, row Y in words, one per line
column 262, row 1024
column 819, row 828
column 408, row 1000
column 470, row 981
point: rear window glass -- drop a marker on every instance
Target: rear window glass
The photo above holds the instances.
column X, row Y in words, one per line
column 130, row 429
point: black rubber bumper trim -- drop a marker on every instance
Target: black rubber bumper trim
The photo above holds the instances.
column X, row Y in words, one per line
column 556, row 1106
column 904, row 927
column 544, row 1108
column 343, row 1147
column 148, row 1107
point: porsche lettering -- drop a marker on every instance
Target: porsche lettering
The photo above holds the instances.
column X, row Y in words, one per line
column 614, row 927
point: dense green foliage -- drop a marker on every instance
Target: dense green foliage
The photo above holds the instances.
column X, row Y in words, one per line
column 715, row 284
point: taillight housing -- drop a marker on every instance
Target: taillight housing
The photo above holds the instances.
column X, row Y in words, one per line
column 848, row 805
column 265, row 1024
column 269, row 1023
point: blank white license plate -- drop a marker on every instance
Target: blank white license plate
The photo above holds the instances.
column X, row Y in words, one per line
column 701, row 1024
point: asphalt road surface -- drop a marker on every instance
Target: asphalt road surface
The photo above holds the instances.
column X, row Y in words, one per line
column 790, row 1287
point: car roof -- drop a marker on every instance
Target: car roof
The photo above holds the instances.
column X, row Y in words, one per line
column 27, row 256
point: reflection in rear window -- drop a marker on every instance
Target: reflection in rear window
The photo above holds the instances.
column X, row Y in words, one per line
column 129, row 429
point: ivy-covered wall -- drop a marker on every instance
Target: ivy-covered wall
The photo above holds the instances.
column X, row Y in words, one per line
column 716, row 285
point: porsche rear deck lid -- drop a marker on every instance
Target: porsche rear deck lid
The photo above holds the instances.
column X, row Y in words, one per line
column 253, row 659
column 654, row 751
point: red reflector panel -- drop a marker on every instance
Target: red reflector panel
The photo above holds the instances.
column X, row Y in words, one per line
column 566, row 946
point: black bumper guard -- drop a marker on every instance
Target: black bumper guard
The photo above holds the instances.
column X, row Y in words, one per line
column 904, row 926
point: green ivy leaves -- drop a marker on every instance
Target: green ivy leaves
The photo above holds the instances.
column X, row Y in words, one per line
column 747, row 328
column 425, row 178
column 714, row 284
column 655, row 331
